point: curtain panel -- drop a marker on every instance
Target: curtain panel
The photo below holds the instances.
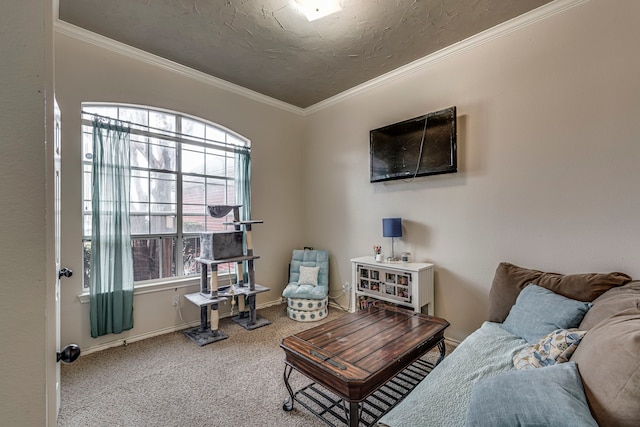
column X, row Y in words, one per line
column 111, row 283
column 243, row 194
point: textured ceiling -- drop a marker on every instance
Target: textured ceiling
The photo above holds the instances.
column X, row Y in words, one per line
column 268, row 46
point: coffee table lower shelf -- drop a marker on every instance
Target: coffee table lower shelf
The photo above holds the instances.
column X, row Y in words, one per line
column 335, row 411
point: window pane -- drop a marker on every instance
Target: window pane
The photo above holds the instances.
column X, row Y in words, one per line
column 163, row 208
column 138, row 208
column 215, row 134
column 163, row 187
column 86, row 188
column 139, row 186
column 190, row 251
column 153, row 258
column 164, row 121
column 163, row 224
column 139, row 224
column 86, row 263
column 86, row 225
column 231, row 167
column 101, row 110
column 216, row 192
column 216, row 165
column 162, row 156
column 134, row 115
column 231, row 193
column 139, row 153
column 193, row 191
column 192, row 128
column 192, row 162
column 87, row 143
column 193, row 224
column 194, row 209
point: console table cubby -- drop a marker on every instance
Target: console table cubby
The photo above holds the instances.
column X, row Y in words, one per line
column 408, row 284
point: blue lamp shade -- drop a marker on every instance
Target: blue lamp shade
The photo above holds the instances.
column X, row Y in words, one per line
column 391, row 227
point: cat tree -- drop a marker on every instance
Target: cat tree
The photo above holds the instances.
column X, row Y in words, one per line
column 218, row 248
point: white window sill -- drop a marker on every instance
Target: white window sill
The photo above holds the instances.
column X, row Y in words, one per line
column 149, row 288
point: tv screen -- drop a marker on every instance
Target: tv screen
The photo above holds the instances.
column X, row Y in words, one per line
column 424, row 145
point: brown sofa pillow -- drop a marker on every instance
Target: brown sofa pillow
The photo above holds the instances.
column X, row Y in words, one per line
column 510, row 279
column 612, row 302
column 609, row 365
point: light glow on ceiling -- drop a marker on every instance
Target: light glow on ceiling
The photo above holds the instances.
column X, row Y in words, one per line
column 316, row 9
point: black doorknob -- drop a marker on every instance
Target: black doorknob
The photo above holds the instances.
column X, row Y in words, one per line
column 66, row 272
column 69, row 354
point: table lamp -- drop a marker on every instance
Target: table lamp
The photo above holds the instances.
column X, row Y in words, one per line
column 392, row 227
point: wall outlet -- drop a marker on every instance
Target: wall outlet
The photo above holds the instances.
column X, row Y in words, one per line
column 346, row 286
column 176, row 300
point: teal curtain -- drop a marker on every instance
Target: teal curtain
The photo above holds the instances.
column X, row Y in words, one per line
column 243, row 192
column 111, row 284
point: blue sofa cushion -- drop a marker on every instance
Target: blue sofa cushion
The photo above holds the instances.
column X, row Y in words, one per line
column 539, row 311
column 551, row 396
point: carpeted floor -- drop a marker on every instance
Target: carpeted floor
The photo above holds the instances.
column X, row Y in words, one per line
column 171, row 381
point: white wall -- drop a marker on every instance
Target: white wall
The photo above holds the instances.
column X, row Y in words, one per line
column 25, row 352
column 86, row 72
column 548, row 160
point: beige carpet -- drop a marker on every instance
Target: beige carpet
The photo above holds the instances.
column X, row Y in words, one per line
column 171, row 381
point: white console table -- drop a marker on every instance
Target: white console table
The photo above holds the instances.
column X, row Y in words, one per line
column 408, row 284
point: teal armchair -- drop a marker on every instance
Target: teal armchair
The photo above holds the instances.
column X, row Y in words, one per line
column 308, row 288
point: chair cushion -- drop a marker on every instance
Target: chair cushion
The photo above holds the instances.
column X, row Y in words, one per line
column 293, row 290
column 510, row 279
column 538, row 312
column 310, row 258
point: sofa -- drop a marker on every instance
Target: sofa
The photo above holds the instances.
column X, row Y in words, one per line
column 555, row 350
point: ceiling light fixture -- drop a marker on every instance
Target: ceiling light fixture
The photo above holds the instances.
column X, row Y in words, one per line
column 315, row 9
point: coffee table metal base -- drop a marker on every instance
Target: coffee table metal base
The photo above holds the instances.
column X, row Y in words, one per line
column 335, row 411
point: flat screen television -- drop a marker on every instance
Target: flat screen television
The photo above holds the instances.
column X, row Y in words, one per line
column 424, row 145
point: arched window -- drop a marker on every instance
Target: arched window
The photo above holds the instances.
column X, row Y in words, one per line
column 179, row 165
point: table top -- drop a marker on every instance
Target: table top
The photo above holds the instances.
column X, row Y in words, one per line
column 357, row 353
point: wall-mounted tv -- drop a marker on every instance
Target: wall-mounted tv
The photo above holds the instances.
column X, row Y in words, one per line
column 424, row 145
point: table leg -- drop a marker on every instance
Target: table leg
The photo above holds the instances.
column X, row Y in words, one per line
column 443, row 351
column 288, row 402
column 354, row 415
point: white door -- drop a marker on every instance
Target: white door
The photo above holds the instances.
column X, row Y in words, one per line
column 71, row 352
column 57, row 213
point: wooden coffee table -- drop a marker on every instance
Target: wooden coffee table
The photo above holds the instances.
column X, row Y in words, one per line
column 362, row 364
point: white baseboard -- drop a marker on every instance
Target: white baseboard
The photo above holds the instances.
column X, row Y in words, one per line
column 139, row 337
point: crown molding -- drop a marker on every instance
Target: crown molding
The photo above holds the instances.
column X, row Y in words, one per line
column 78, row 33
column 542, row 12
column 500, row 30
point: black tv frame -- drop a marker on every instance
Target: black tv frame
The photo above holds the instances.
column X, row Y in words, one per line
column 394, row 149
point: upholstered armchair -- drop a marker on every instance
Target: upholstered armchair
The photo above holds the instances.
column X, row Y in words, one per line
column 308, row 288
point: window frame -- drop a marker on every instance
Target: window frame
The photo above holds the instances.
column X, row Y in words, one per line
column 208, row 147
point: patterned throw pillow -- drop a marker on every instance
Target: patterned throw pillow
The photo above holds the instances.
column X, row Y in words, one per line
column 557, row 347
column 308, row 276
